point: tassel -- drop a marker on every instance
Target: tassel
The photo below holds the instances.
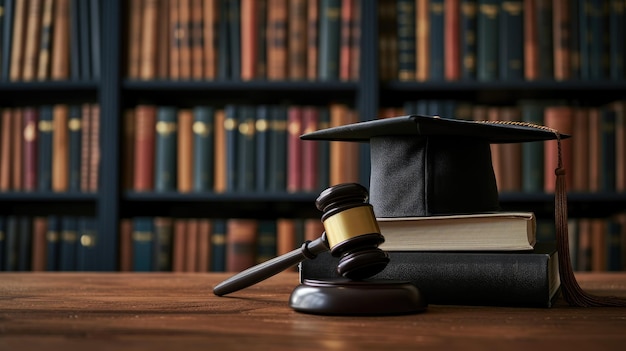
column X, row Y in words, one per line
column 572, row 292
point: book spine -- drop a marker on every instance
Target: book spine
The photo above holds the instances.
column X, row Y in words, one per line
column 10, row 243
column 53, row 240
column 249, row 30
column 261, row 39
column 142, row 244
column 184, row 150
column 85, row 145
column 184, row 39
column 561, row 33
column 210, row 35
column 617, row 36
column 511, row 49
column 163, row 39
column 5, row 150
column 580, row 148
column 345, row 45
column 245, row 149
column 310, row 151
column 266, row 242
column 60, row 147
column 218, row 246
column 196, row 41
column 74, row 34
column 6, row 33
column 75, row 149
column 165, row 149
column 94, row 148
column 452, row 39
column 234, row 54
column 598, row 46
column 31, row 44
column 86, row 255
column 277, row 147
column 68, row 243
column 191, row 243
column 437, row 41
column 487, row 40
column 179, row 244
column 607, row 150
column 296, row 39
column 61, row 41
column 145, row 122
column 31, row 139
column 148, row 48
column 407, row 64
column 38, row 256
column 262, row 126
column 44, row 152
column 312, row 37
column 329, row 34
column 277, row 40
column 241, row 242
column 25, row 242
column 95, row 40
column 163, row 234
column 545, row 39
column 323, row 159
column 174, row 39
column 203, row 144
column 18, row 39
column 294, row 148
column 203, row 250
column 231, row 143
column 532, row 153
column 85, row 40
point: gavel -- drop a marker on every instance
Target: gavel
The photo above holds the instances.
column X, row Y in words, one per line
column 351, row 233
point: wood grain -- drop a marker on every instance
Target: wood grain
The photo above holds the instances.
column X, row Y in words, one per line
column 148, row 311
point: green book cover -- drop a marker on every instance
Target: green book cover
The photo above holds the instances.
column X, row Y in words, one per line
column 165, row 149
column 329, row 43
column 277, row 149
column 203, row 144
column 245, row 150
column 511, row 53
column 436, row 35
column 487, row 40
column 74, row 126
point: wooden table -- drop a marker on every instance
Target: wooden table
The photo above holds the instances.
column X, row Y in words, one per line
column 155, row 311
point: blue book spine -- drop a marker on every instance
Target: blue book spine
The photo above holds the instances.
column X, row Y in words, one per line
column 262, row 147
column 598, row 50
column 204, row 139
column 11, row 243
column 437, row 27
column 44, row 171
column 3, row 237
column 468, row 39
column 405, row 15
column 511, row 22
column 53, row 239
column 7, row 35
column 329, row 34
column 68, row 244
column 231, row 128
column 266, row 241
column 218, row 246
column 165, row 149
column 584, row 38
column 86, row 257
column 74, row 127
column 143, row 241
column 245, row 150
column 25, row 243
column 234, row 32
column 617, row 37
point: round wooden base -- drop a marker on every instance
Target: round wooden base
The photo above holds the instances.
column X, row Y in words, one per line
column 367, row 297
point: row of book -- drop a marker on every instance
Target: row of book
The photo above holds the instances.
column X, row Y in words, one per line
column 50, row 148
column 44, row 40
column 232, row 245
column 47, row 243
column 203, row 244
column 594, row 156
column 235, row 148
column 244, row 39
column 489, row 40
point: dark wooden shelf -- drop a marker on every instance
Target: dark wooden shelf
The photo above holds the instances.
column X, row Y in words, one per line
column 40, row 204
column 505, row 92
column 47, row 92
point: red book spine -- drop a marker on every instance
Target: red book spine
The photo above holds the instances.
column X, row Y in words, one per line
column 30, row 149
column 561, row 119
column 294, row 149
column 452, row 63
column 144, row 148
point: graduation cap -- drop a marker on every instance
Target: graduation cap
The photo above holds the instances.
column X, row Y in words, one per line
column 424, row 165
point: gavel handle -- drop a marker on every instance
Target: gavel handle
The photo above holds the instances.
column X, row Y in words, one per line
column 255, row 274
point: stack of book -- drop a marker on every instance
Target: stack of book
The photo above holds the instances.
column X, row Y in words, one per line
column 477, row 259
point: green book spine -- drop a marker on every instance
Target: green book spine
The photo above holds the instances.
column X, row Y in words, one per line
column 74, row 126
column 468, row 39
column 69, row 238
column 532, row 153
column 405, row 15
column 234, row 32
column 204, row 139
column 44, row 159
column 245, row 150
column 329, row 34
column 262, row 127
column 437, row 27
column 511, row 60
column 94, row 30
column 487, row 40
column 230, row 125
column 142, row 243
column 218, row 246
column 165, row 149
column 277, row 149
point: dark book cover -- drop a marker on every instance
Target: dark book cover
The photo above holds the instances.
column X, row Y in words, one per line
column 163, row 236
column 74, row 127
column 261, row 40
column 68, row 243
column 232, row 133
column 467, row 39
column 86, row 255
column 223, row 41
column 607, row 156
column 3, row 238
column 584, row 38
column 234, row 33
column 405, row 20
column 436, row 36
column 165, row 149
column 617, row 37
column 262, row 147
column 142, row 243
column 25, row 242
column 44, row 159
column 294, row 148
column 95, row 38
column 574, row 39
column 309, row 150
column 75, row 41
column 246, row 163
column 203, row 144
column 266, row 241
column 11, row 242
column 218, row 246
column 7, row 36
column 84, row 23
column 241, row 243
column 545, row 39
column 329, row 34
column 487, row 40
column 528, row 278
column 323, row 151
column 598, row 45
column 277, row 149
column 532, row 153
column 53, row 240
column 511, row 48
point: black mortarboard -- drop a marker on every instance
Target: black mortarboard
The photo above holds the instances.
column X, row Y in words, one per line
column 423, row 166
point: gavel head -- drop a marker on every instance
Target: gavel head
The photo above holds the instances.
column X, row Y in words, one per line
column 351, row 231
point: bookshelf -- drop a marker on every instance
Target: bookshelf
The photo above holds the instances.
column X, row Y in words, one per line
column 115, row 93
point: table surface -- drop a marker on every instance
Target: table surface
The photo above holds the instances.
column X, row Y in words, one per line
column 154, row 311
